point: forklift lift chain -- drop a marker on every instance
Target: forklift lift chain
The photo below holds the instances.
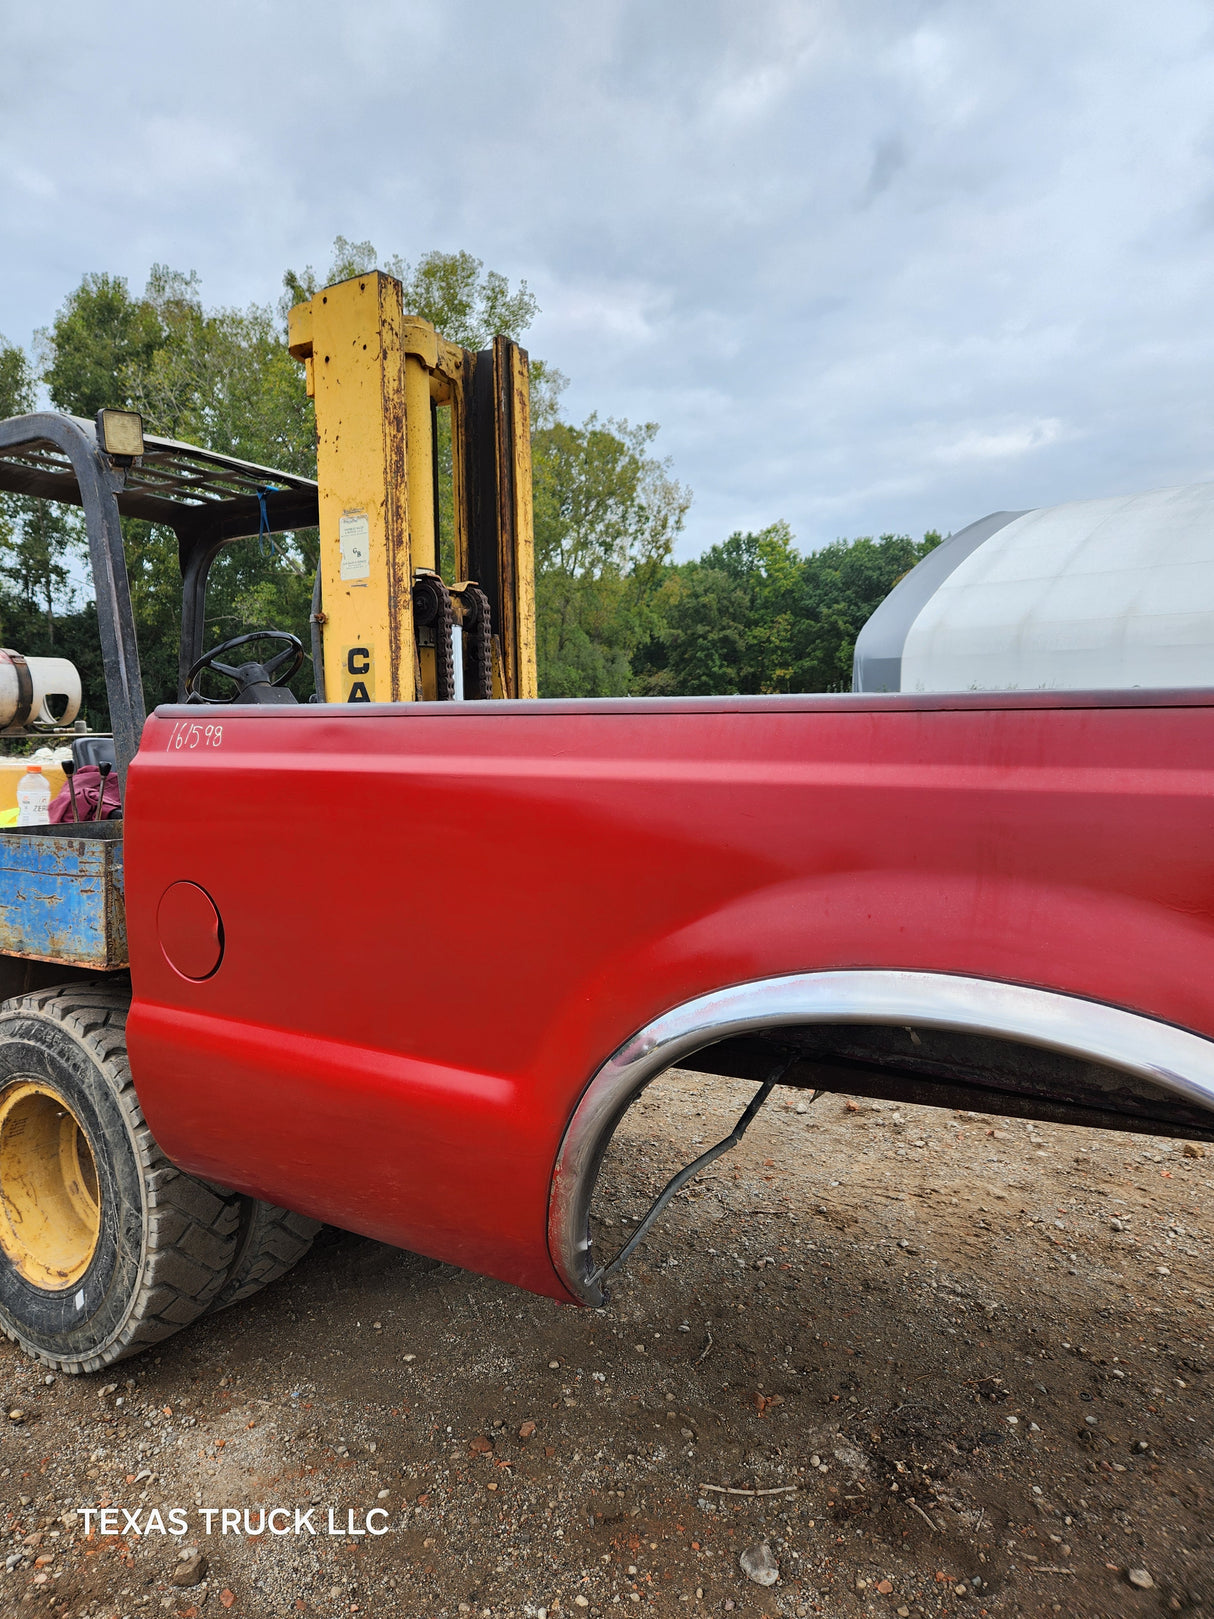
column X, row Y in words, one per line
column 478, row 643
column 432, row 609
column 598, row 1277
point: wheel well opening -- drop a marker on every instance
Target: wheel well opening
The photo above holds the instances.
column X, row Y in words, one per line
column 621, row 1168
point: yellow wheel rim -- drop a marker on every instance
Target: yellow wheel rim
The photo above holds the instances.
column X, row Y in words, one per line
column 50, row 1212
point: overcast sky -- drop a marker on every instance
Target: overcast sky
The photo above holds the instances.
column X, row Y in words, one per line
column 879, row 265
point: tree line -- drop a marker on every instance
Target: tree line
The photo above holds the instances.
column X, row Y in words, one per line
column 616, row 614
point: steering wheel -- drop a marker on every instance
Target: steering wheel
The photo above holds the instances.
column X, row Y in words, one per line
column 248, row 677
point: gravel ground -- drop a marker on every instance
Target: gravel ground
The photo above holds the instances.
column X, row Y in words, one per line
column 880, row 1360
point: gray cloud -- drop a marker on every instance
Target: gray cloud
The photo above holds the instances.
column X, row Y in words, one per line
column 877, row 265
column 889, row 158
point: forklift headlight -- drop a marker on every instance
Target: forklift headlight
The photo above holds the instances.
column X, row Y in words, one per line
column 120, row 432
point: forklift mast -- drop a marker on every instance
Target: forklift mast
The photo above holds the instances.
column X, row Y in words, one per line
column 387, row 626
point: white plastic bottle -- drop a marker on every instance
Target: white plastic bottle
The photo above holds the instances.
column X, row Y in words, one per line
column 33, row 798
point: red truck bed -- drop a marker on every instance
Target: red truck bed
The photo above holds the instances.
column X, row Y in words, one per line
column 448, row 929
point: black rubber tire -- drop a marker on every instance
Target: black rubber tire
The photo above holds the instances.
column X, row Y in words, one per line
column 271, row 1240
column 167, row 1242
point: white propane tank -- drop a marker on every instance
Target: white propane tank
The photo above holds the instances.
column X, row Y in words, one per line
column 37, row 691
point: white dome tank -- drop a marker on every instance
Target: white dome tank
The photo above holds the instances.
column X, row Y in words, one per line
column 1095, row 594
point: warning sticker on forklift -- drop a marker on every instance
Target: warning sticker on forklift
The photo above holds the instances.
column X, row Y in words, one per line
column 354, row 536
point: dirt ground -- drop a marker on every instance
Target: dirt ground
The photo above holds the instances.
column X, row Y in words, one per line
column 920, row 1362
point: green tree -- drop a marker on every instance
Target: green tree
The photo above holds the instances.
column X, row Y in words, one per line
column 16, row 381
column 722, row 622
column 607, row 514
column 700, row 645
column 838, row 590
column 99, row 342
column 752, row 615
column 34, row 561
column 223, row 379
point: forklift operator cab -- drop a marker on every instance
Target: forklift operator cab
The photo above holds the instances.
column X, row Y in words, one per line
column 113, row 470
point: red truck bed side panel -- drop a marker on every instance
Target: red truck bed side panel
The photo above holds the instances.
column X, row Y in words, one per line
column 438, row 921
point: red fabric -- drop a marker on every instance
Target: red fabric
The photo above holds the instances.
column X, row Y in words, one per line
column 88, row 789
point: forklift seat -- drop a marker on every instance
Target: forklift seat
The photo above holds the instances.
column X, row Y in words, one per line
column 94, row 750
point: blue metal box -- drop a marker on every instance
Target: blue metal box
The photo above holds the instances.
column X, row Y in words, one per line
column 61, row 896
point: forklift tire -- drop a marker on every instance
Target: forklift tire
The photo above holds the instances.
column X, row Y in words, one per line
column 270, row 1241
column 105, row 1246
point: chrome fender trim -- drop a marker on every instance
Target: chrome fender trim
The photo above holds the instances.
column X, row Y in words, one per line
column 1160, row 1053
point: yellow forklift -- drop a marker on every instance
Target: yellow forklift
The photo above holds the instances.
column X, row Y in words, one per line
column 388, row 624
